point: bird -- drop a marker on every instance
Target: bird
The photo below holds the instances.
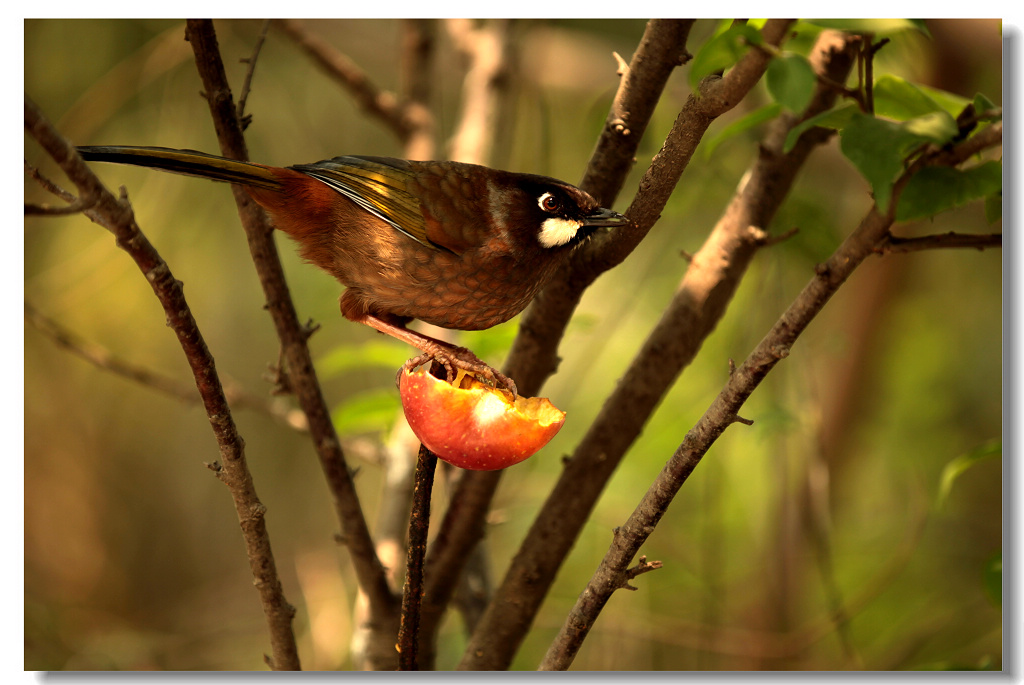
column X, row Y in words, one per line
column 460, row 246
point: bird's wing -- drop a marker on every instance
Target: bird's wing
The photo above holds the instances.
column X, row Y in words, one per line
column 378, row 185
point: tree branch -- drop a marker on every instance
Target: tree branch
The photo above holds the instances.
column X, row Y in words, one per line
column 411, row 121
column 412, row 596
column 662, row 48
column 104, row 359
column 949, row 240
column 302, row 375
column 116, row 215
column 534, row 353
column 774, row 347
column 697, row 307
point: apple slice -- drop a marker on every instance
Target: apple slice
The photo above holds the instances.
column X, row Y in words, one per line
column 473, row 425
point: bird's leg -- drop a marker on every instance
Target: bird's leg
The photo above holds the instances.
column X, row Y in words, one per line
column 451, row 356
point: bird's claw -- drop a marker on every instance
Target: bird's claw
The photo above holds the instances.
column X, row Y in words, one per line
column 460, row 358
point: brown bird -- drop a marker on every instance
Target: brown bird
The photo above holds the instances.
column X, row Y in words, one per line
column 459, row 246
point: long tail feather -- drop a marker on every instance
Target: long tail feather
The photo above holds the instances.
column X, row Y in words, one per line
column 188, row 162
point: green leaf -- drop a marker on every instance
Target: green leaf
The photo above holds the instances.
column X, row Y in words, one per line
column 951, row 103
column 371, row 411
column 956, row 467
column 791, row 81
column 935, row 127
column 992, row 579
column 723, row 51
column 899, row 99
column 386, row 353
column 879, row 148
column 936, row 189
column 835, row 118
column 744, row 123
column 983, row 104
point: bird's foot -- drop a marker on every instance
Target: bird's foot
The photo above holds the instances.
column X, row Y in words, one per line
column 455, row 359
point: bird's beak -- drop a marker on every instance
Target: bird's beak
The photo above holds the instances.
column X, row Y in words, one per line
column 604, row 217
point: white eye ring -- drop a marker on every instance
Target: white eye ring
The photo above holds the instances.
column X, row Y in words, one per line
column 543, row 203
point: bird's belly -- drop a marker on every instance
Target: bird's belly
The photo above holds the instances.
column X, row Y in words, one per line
column 465, row 301
column 462, row 292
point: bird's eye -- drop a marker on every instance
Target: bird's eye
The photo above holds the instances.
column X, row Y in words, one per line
column 549, row 203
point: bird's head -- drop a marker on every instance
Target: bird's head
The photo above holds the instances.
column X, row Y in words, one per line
column 548, row 213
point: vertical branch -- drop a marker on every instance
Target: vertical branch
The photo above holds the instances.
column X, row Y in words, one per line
column 412, row 596
column 302, row 376
column 116, row 215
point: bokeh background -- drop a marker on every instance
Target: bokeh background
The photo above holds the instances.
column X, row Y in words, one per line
column 133, row 558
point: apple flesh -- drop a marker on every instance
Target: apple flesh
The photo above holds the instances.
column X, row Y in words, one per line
column 474, row 426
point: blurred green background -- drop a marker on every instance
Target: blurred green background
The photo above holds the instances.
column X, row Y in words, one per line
column 133, row 558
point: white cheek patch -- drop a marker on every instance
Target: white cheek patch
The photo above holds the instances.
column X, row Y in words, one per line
column 555, row 232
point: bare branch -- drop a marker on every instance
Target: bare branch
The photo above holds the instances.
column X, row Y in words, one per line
column 412, row 596
column 949, row 240
column 251, row 61
column 460, row 531
column 417, row 61
column 116, row 215
column 104, row 359
column 774, row 347
column 662, row 48
column 301, row 373
column 410, row 121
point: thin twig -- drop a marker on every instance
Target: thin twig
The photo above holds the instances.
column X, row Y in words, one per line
column 104, row 359
column 247, row 82
column 412, row 596
column 116, row 215
column 949, row 240
column 407, row 119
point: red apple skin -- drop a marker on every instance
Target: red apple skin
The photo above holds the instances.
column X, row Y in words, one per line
column 477, row 428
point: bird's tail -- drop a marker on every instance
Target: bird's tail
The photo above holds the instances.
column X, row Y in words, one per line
column 188, row 162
